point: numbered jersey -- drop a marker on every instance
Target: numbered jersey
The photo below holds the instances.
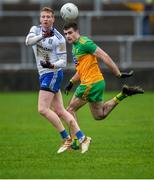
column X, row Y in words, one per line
column 47, row 49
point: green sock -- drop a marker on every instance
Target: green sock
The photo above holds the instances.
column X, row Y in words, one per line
column 75, row 144
column 119, row 97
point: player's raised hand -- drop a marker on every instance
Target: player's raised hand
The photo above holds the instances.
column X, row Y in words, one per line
column 126, row 74
column 46, row 64
column 68, row 87
column 47, row 33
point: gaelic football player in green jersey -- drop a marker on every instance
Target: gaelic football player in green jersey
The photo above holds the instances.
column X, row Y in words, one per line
column 91, row 89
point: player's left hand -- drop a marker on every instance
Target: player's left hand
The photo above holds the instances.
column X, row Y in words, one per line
column 126, row 74
column 46, row 64
column 68, row 87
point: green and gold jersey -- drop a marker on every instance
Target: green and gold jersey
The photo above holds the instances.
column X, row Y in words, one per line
column 86, row 62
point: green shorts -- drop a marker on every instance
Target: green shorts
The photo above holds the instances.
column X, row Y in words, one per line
column 91, row 92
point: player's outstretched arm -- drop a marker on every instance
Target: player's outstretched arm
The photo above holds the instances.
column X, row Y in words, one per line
column 32, row 38
column 111, row 65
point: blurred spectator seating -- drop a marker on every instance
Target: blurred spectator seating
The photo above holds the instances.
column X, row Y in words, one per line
column 112, row 28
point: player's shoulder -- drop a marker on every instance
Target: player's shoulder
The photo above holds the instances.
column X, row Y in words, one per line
column 84, row 40
column 87, row 44
column 58, row 35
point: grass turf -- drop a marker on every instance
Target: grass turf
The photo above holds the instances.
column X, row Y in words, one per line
column 122, row 146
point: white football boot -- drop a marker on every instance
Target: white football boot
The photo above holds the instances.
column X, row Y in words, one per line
column 65, row 146
column 85, row 144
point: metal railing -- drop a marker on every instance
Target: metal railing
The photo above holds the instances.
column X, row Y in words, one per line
column 126, row 50
column 125, row 42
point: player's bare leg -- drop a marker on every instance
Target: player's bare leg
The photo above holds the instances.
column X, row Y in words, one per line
column 84, row 141
column 58, row 107
column 74, row 105
column 101, row 111
column 44, row 102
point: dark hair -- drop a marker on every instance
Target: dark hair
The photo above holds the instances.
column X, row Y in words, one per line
column 68, row 25
column 48, row 9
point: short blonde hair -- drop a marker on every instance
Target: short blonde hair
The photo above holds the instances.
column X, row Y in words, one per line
column 48, row 9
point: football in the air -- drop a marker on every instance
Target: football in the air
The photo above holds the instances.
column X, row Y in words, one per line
column 69, row 11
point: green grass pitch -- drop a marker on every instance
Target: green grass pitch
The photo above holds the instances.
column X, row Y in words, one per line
column 122, row 145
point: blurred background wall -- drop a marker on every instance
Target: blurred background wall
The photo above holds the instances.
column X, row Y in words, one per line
column 123, row 28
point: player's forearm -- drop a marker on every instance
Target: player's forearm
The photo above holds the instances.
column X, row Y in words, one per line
column 31, row 40
column 113, row 67
column 61, row 63
column 75, row 78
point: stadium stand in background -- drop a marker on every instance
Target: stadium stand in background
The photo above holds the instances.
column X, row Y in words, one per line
column 122, row 28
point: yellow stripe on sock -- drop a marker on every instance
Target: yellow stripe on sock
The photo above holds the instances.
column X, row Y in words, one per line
column 116, row 100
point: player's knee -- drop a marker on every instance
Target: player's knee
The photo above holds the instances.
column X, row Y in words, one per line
column 59, row 112
column 42, row 111
column 99, row 117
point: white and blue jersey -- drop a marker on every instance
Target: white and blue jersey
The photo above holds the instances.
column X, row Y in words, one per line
column 52, row 49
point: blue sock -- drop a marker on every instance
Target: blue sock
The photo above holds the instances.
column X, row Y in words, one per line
column 80, row 135
column 64, row 134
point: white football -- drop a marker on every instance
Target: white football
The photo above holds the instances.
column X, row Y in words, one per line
column 69, row 11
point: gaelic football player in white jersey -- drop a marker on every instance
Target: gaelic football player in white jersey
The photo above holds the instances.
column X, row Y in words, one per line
column 49, row 47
